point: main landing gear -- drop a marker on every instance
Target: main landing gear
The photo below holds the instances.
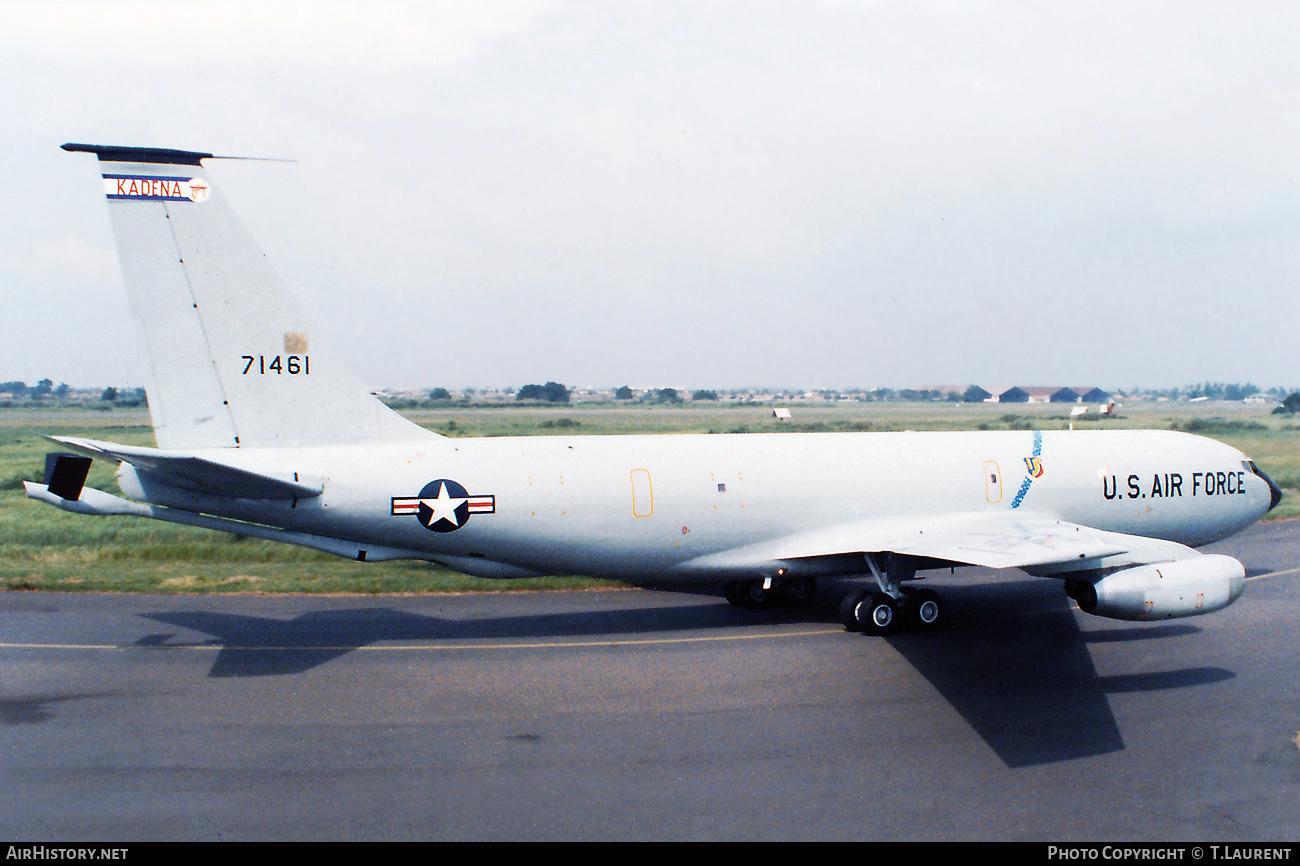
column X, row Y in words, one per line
column 874, row 612
column 891, row 607
column 771, row 592
column 886, row 608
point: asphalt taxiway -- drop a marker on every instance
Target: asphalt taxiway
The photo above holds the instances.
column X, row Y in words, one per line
column 652, row 715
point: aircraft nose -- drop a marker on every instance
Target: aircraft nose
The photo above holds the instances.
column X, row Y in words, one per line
column 1274, row 492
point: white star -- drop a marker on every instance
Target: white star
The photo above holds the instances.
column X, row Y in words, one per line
column 443, row 507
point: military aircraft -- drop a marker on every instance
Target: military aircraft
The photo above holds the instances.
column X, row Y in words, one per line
column 262, row 432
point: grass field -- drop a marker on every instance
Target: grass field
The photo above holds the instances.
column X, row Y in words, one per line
column 43, row 548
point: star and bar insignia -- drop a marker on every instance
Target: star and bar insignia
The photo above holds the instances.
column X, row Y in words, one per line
column 444, row 505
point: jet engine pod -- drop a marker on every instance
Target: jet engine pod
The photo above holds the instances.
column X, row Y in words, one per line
column 1187, row 587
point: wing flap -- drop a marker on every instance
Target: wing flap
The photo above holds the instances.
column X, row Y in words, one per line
column 1026, row 544
column 198, row 474
column 1039, row 544
column 994, row 540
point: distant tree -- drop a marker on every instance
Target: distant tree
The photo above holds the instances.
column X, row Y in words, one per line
column 43, row 389
column 551, row 392
column 1222, row 391
column 704, row 395
column 624, row 393
column 18, row 389
column 975, row 394
column 439, row 394
column 667, row 395
column 1239, row 392
column 109, row 394
column 63, row 390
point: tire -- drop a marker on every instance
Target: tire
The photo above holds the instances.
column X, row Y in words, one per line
column 849, row 608
column 799, row 591
column 925, row 610
column 879, row 614
column 754, row 595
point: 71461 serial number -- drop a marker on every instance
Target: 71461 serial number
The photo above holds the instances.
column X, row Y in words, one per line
column 264, row 365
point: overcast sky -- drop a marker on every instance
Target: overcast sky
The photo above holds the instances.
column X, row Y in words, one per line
column 703, row 195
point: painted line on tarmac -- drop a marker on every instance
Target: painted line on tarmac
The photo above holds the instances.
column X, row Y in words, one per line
column 1282, row 573
column 467, row 645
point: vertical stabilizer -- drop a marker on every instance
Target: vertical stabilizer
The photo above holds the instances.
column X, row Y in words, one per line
column 234, row 359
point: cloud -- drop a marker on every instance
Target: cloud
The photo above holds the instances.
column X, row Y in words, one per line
column 383, row 34
column 64, row 260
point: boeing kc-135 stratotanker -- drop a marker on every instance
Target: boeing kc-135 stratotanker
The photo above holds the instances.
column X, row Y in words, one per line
column 261, row 432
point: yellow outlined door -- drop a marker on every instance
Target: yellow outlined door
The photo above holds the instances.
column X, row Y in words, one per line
column 643, row 504
column 992, row 482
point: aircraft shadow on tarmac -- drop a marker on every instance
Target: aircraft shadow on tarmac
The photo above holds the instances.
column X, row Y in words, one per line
column 1025, row 683
column 264, row 646
column 37, row 709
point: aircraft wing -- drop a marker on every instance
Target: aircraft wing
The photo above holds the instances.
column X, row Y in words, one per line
column 1039, row 544
column 197, row 474
column 995, row 541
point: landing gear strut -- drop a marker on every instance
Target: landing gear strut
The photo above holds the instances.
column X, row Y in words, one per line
column 891, row 607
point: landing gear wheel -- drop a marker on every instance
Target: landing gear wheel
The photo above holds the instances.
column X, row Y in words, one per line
column 879, row 614
column 870, row 613
column 799, row 591
column 755, row 594
column 748, row 593
column 924, row 609
column 849, row 609
column 795, row 592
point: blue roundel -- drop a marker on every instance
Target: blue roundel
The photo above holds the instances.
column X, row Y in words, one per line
column 444, row 505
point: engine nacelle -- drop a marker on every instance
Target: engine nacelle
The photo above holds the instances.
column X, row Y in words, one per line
column 1186, row 587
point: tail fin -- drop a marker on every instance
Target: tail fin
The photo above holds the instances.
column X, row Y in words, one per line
column 234, row 360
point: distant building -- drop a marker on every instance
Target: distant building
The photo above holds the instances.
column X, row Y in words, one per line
column 1053, row 394
column 1049, row 395
column 1093, row 395
column 1064, row 395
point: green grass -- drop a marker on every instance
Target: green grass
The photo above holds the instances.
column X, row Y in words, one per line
column 43, row 548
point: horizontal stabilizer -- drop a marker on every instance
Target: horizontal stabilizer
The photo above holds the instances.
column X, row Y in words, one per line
column 198, row 474
column 97, row 503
